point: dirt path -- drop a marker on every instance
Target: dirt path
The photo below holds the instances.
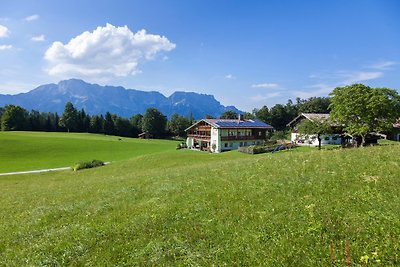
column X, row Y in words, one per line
column 36, row 171
column 43, row 170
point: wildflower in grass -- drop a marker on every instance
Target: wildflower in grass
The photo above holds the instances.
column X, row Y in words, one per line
column 364, row 259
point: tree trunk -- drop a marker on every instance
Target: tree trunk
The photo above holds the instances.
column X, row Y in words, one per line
column 319, row 141
column 362, row 140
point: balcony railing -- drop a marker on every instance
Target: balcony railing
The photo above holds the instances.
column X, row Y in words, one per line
column 199, row 136
column 248, row 137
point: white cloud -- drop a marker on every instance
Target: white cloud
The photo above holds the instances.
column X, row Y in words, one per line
column 5, row 47
column 106, row 52
column 39, row 38
column 258, row 98
column 230, row 77
column 32, row 18
column 360, row 76
column 265, row 85
column 383, row 65
column 4, row 31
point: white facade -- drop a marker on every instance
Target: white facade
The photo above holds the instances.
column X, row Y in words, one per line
column 311, row 140
column 217, row 144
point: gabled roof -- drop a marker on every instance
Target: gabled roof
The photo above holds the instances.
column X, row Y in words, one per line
column 234, row 124
column 311, row 117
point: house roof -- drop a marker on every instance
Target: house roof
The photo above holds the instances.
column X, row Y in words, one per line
column 311, row 117
column 234, row 124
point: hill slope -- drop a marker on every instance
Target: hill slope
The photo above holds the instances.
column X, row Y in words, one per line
column 96, row 99
column 179, row 208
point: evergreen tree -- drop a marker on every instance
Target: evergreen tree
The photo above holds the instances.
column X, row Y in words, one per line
column 96, row 124
column 229, row 115
column 69, row 119
column 108, row 124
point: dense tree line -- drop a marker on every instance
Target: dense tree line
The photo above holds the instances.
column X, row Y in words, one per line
column 153, row 122
column 361, row 108
column 280, row 115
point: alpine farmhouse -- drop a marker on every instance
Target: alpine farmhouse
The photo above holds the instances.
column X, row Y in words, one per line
column 311, row 140
column 217, row 135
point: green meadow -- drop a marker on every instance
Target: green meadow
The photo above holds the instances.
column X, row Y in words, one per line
column 157, row 206
column 22, row 151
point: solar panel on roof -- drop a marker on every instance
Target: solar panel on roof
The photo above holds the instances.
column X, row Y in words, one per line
column 236, row 124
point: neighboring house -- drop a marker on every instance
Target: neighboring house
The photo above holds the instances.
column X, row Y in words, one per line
column 396, row 131
column 144, row 135
column 311, row 140
column 217, row 135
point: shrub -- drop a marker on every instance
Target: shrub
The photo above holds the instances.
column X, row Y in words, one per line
column 87, row 164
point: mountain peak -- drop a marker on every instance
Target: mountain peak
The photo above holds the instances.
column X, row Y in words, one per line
column 97, row 99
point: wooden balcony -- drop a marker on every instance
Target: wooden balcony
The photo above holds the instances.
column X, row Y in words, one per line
column 200, row 137
column 233, row 138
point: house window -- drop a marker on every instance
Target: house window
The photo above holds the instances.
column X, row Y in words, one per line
column 245, row 143
column 230, row 144
column 225, row 144
column 334, row 138
column 327, row 138
column 241, row 143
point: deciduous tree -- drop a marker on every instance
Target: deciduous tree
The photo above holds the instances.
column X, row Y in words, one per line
column 154, row 123
column 364, row 110
column 14, row 118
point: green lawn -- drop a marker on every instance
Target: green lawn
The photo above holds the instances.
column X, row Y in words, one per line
column 187, row 208
column 21, row 151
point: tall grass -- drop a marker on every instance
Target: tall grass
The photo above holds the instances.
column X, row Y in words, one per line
column 178, row 207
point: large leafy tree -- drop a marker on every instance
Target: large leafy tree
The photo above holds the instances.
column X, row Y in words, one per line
column 177, row 124
column 263, row 114
column 14, row 118
column 364, row 110
column 154, row 123
column 69, row 119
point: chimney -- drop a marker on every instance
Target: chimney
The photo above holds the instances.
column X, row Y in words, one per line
column 240, row 117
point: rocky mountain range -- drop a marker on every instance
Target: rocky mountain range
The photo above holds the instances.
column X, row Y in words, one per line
column 97, row 99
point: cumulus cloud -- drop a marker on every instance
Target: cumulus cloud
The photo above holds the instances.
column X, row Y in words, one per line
column 265, row 85
column 106, row 52
column 39, row 38
column 4, row 31
column 32, row 18
column 5, row 47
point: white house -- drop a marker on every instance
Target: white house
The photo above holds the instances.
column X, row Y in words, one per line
column 311, row 140
column 217, row 135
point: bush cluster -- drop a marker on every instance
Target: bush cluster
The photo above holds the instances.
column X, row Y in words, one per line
column 87, row 164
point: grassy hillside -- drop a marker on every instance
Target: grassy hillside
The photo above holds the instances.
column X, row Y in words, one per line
column 21, row 151
column 180, row 208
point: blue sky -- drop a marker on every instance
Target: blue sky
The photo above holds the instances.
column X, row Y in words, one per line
column 246, row 53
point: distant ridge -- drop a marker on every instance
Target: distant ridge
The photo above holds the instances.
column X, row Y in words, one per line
column 97, row 99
